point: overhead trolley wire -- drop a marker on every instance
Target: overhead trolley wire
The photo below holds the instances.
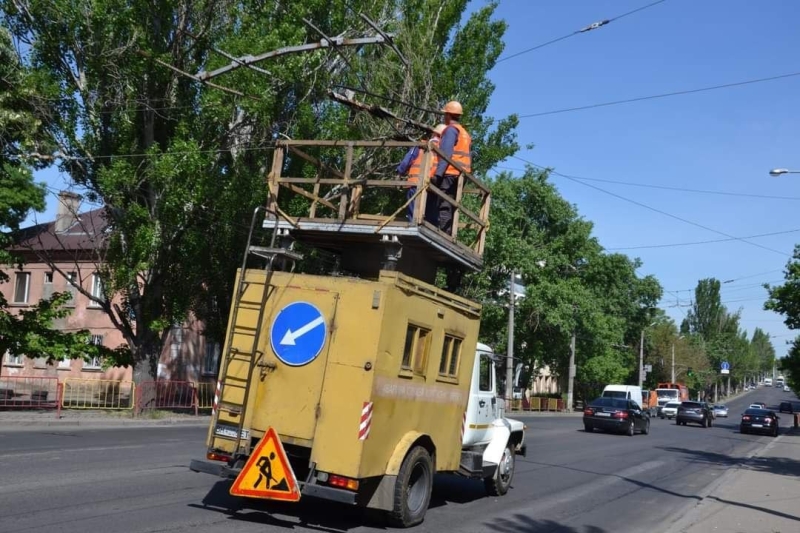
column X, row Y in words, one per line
column 662, row 95
column 654, row 209
column 590, row 27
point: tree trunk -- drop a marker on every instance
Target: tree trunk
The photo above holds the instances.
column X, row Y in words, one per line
column 145, row 372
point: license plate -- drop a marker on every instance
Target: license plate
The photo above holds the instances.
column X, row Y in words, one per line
column 758, row 425
column 227, row 431
column 603, row 414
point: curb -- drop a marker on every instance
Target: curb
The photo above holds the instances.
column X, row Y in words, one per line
column 545, row 414
column 107, row 422
column 693, row 512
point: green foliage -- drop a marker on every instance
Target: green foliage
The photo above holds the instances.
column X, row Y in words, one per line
column 785, row 299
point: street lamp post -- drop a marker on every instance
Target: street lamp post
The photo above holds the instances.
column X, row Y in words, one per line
column 781, row 171
column 510, row 352
column 673, row 359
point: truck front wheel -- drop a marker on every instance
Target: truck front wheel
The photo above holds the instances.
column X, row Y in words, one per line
column 500, row 482
column 412, row 492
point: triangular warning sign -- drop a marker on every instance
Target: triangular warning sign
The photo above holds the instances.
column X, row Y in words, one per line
column 267, row 473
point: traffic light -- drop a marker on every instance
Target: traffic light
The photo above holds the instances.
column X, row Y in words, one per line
column 690, row 372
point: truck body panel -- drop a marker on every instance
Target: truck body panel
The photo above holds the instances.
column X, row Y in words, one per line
column 400, row 348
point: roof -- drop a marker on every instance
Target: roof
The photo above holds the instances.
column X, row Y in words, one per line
column 87, row 232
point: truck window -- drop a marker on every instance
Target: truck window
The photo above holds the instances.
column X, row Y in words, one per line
column 415, row 352
column 451, row 353
column 485, row 383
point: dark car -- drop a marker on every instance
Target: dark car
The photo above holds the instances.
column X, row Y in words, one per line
column 789, row 407
column 616, row 414
column 759, row 421
column 696, row 412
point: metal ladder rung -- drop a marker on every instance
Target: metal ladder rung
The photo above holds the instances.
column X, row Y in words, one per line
column 268, row 253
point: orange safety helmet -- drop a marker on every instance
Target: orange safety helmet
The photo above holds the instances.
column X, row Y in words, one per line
column 453, row 108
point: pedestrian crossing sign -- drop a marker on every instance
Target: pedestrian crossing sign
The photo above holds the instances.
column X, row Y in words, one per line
column 267, row 474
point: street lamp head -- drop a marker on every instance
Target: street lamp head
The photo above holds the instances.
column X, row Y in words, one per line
column 778, row 171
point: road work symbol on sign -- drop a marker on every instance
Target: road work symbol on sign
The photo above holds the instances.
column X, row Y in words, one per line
column 298, row 333
column 267, row 474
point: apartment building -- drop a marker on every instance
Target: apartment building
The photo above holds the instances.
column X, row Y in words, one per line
column 74, row 242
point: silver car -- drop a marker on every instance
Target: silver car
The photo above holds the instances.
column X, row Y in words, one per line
column 669, row 410
column 720, row 411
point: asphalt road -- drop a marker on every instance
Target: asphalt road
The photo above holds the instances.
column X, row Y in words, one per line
column 137, row 480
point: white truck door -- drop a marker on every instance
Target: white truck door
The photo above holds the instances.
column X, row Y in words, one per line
column 482, row 405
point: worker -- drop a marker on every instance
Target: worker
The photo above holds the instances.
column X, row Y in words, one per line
column 411, row 166
column 456, row 144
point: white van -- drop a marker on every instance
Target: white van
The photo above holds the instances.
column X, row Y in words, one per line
column 625, row 392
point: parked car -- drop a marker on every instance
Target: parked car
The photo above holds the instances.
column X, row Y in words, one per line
column 616, row 414
column 757, row 405
column 759, row 421
column 786, row 388
column 669, row 410
column 789, row 407
column 720, row 410
column 696, row 412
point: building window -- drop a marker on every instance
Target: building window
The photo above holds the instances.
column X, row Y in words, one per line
column 40, row 362
column 47, row 288
column 22, row 288
column 13, row 360
column 97, row 290
column 72, row 277
column 451, row 355
column 177, row 341
column 65, row 364
column 211, row 360
column 94, row 362
column 415, row 353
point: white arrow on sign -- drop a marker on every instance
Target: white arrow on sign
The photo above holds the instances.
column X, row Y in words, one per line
column 291, row 336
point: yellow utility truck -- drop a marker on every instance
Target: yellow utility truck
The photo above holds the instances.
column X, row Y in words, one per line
column 356, row 388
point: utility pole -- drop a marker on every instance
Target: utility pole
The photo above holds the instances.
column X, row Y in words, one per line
column 571, row 372
column 641, row 359
column 510, row 350
column 673, row 363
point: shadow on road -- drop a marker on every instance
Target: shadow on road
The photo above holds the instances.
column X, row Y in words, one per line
column 755, row 508
column 519, row 523
column 312, row 514
column 770, row 465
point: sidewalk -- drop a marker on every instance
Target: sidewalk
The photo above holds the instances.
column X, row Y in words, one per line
column 90, row 418
column 761, row 495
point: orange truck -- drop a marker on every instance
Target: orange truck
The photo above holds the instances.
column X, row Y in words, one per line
column 670, row 392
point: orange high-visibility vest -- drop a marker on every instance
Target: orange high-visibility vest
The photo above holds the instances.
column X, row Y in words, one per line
column 415, row 170
column 461, row 151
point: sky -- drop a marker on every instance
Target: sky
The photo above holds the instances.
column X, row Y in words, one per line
column 723, row 140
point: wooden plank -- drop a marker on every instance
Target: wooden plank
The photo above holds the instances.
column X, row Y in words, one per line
column 356, row 144
column 483, row 229
column 469, row 176
column 272, row 180
column 459, row 196
column 305, row 193
column 337, row 181
column 434, row 189
column 313, row 211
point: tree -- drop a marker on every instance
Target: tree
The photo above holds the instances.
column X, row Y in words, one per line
column 785, row 299
column 29, row 332
column 179, row 166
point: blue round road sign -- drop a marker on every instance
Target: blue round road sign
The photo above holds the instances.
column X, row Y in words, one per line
column 298, row 333
column 726, row 365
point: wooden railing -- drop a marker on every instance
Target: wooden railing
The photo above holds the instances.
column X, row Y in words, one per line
column 331, row 186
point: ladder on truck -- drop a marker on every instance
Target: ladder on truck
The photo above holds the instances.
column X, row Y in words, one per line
column 238, row 364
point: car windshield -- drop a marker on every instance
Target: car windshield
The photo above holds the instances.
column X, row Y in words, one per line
column 672, row 404
column 720, row 407
column 621, row 394
column 755, row 406
column 610, row 402
column 691, row 405
column 757, row 412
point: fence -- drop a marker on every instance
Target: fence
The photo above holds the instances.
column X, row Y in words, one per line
column 97, row 394
column 20, row 392
column 538, row 404
column 174, row 395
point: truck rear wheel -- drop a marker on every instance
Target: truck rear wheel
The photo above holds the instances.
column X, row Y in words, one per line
column 499, row 483
column 412, row 492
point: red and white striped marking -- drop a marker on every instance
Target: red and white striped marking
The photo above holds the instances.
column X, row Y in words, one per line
column 463, row 425
column 366, row 421
column 216, row 395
